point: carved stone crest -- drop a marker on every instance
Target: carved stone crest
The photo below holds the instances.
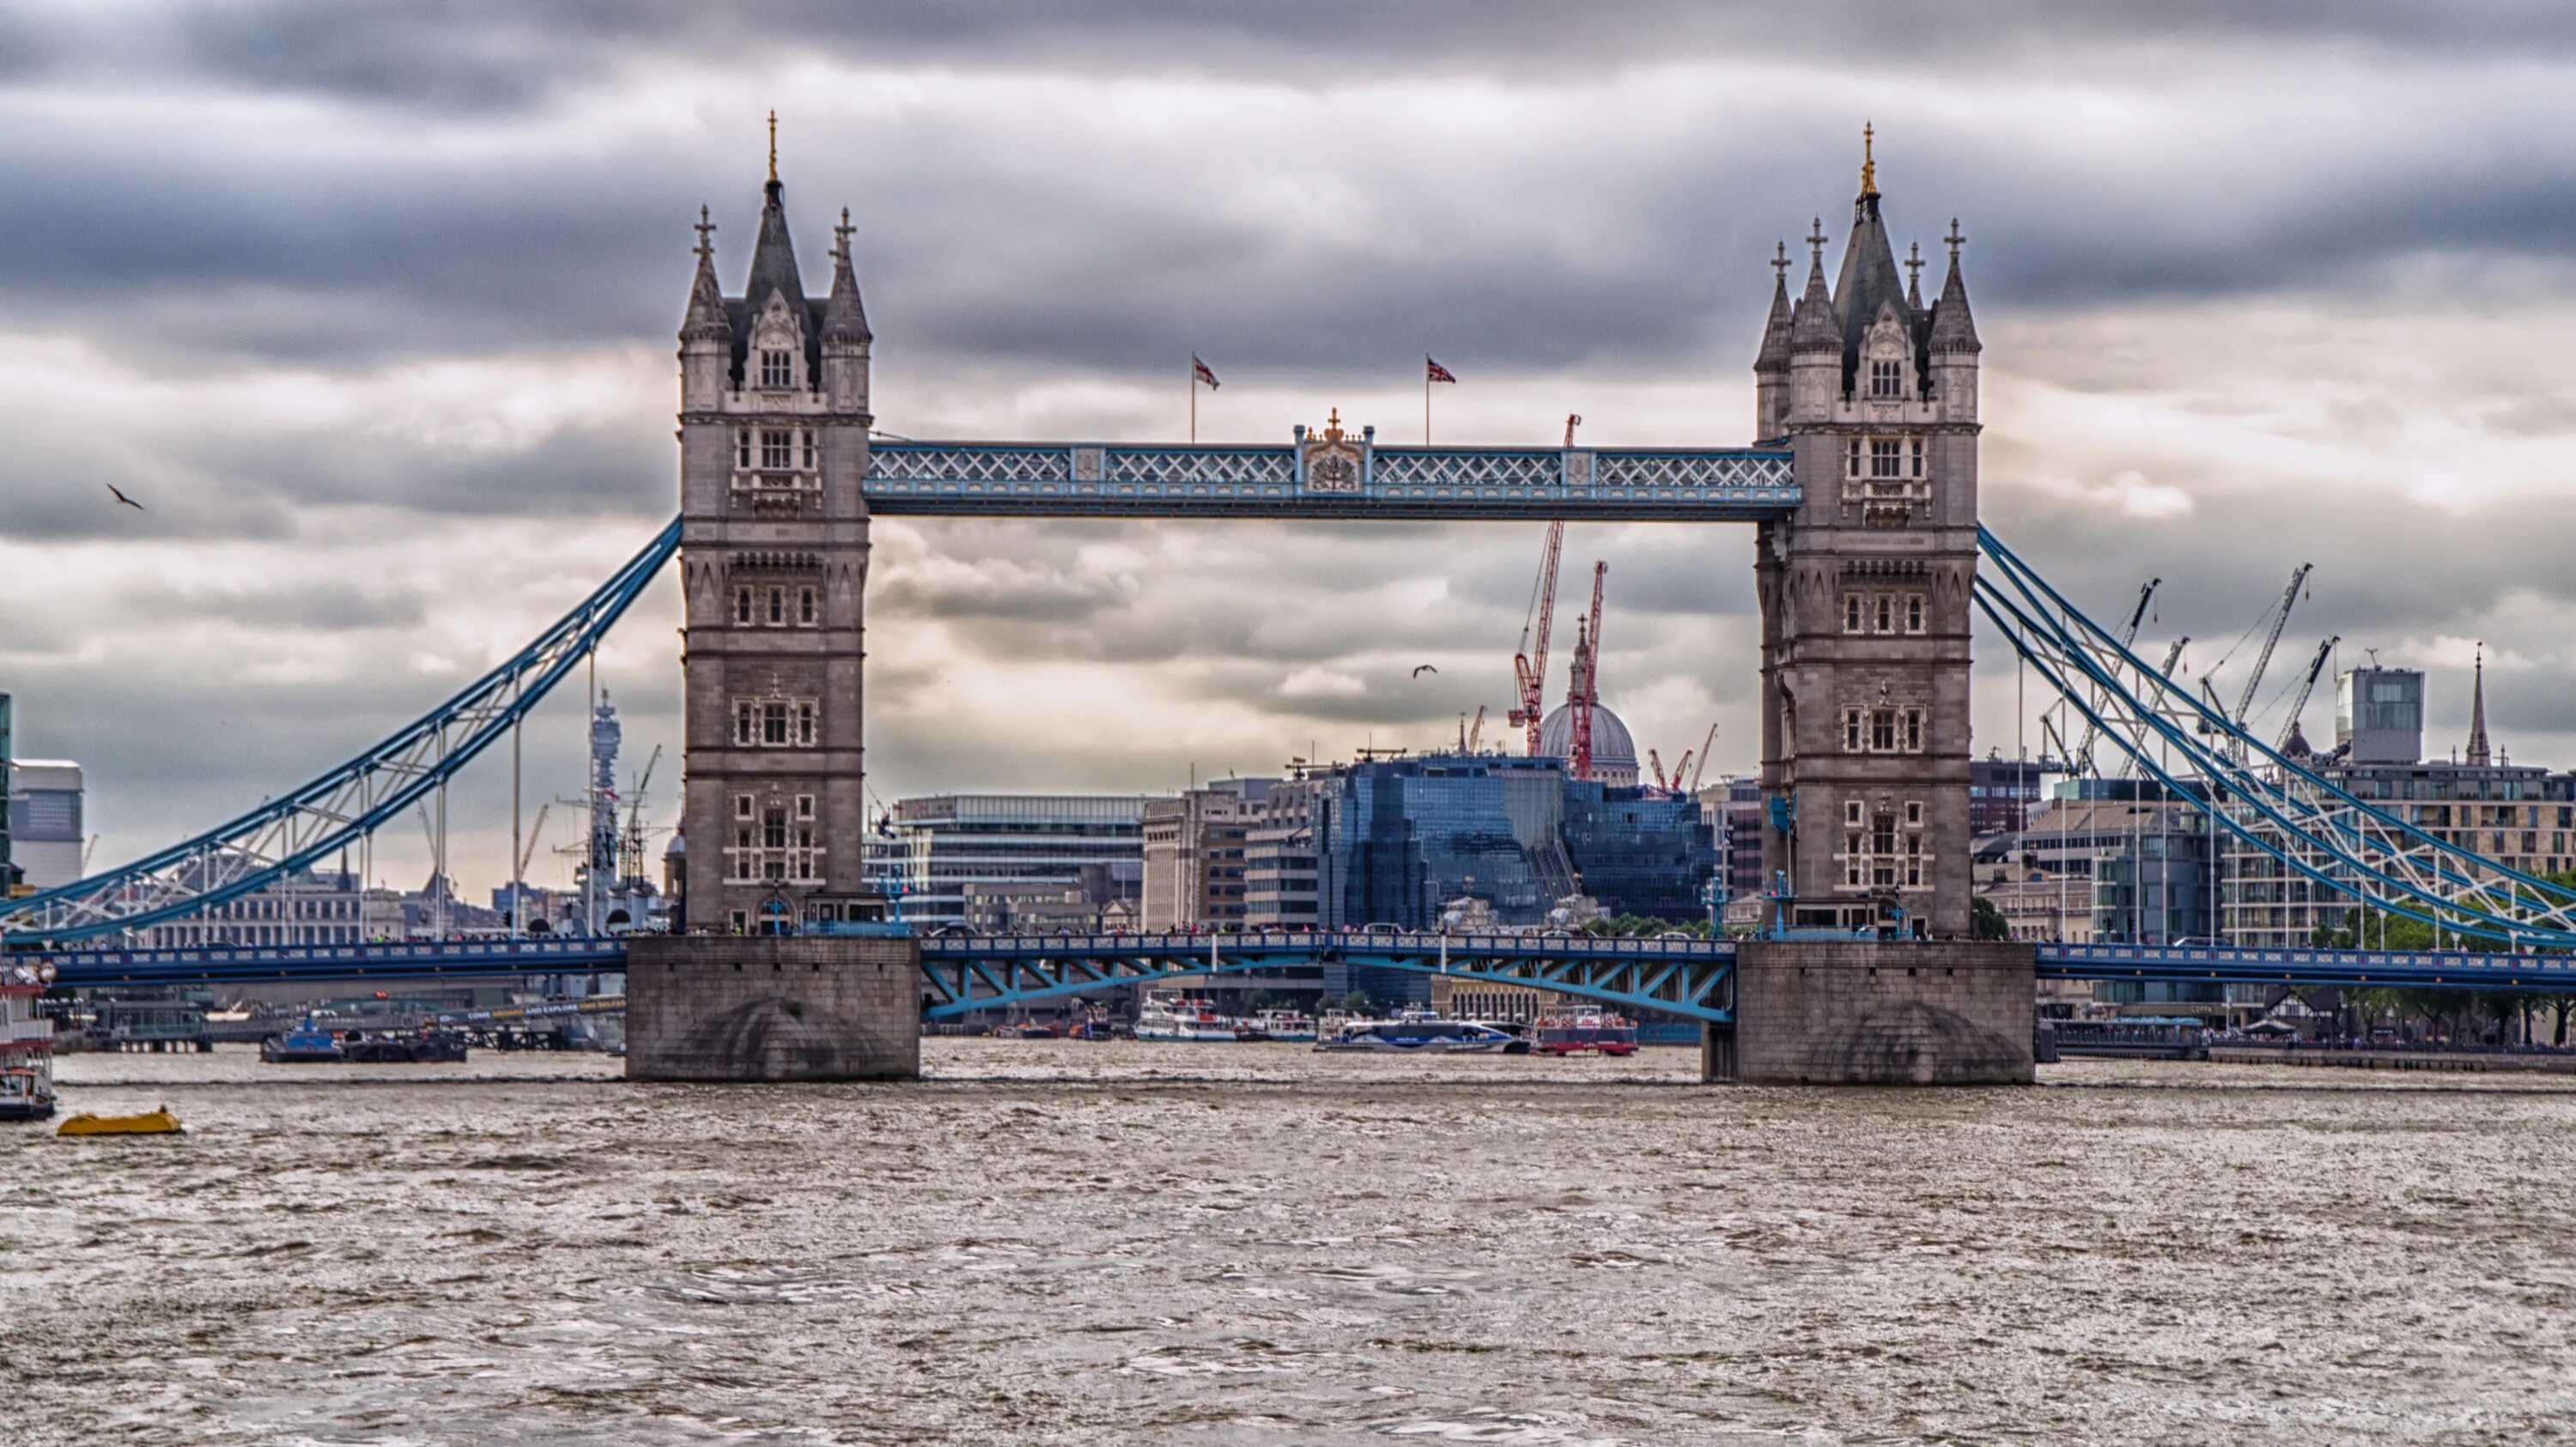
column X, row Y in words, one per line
column 1333, row 459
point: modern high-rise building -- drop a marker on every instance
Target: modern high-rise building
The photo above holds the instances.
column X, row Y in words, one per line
column 46, row 805
column 1279, row 867
column 929, row 849
column 1194, row 855
column 2379, row 715
column 1398, row 839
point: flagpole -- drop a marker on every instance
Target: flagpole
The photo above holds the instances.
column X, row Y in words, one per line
column 1426, row 401
column 1192, row 382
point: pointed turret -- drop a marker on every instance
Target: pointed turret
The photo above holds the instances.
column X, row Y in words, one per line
column 1953, row 329
column 773, row 256
column 2479, row 755
column 1775, row 329
column 1868, row 280
column 705, row 320
column 1771, row 364
column 845, row 317
column 706, row 330
column 1811, row 325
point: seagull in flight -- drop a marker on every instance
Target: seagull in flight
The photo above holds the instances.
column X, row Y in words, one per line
column 1422, row 669
column 121, row 497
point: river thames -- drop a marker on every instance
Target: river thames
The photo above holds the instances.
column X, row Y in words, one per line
column 1052, row 1242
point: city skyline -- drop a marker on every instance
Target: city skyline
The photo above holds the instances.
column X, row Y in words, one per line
column 390, row 365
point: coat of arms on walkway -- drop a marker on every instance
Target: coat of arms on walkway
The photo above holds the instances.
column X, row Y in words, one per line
column 1333, row 459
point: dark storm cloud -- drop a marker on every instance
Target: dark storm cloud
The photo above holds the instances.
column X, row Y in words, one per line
column 481, row 55
column 1012, row 252
column 319, row 607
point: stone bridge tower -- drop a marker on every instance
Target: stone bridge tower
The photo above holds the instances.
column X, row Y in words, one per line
column 1865, row 590
column 774, row 552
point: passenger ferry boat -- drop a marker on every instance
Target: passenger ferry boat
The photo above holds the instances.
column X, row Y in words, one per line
column 1180, row 1017
column 1584, row 1031
column 26, row 1044
column 1289, row 1025
column 1419, row 1032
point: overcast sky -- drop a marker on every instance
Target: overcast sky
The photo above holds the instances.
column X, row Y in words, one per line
column 375, row 313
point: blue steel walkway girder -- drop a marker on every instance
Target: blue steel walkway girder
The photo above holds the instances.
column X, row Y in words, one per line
column 391, row 960
column 2400, row 969
column 1690, row 978
column 1114, row 479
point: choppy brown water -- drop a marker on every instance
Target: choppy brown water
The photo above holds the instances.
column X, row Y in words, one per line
column 1060, row 1243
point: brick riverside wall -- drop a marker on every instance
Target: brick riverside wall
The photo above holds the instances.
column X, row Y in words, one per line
column 1835, row 1012
column 749, row 1007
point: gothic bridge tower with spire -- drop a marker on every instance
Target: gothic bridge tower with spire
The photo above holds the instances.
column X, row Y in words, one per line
column 1865, row 593
column 774, row 560
column 1865, row 589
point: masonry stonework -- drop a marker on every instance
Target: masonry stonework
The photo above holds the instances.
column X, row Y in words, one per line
column 774, row 560
column 773, row 1007
column 1863, row 1012
column 1865, row 590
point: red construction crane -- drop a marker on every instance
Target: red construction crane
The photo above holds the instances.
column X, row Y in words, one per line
column 1529, row 667
column 1585, row 695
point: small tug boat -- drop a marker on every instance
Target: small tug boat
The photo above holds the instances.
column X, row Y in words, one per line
column 306, row 1044
column 26, row 1044
column 158, row 1121
column 1586, row 1031
column 1419, row 1032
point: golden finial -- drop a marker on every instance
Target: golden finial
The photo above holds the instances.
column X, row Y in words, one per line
column 773, row 147
column 1868, row 163
column 1333, row 426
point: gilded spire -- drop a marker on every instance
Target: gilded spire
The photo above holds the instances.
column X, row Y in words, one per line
column 1868, row 163
column 773, row 147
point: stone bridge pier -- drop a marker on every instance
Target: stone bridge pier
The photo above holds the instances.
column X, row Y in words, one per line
column 1865, row 1012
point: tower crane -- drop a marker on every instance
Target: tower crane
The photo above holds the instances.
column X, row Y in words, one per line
column 1476, row 730
column 1655, row 768
column 1707, row 747
column 634, row 850
column 534, row 830
column 2308, row 685
column 2156, row 695
column 2263, row 660
column 1529, row 667
column 2083, row 757
column 1586, row 694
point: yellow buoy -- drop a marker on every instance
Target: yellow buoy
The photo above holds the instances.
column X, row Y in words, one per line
column 153, row 1122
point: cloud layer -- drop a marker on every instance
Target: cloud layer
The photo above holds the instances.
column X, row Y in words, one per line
column 374, row 310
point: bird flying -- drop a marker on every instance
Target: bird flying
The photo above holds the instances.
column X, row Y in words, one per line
column 129, row 502
column 1422, row 669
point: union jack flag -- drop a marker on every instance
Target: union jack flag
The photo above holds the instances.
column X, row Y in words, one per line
column 1200, row 370
column 1437, row 372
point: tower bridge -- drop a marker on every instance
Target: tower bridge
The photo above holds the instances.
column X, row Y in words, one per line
column 1859, row 479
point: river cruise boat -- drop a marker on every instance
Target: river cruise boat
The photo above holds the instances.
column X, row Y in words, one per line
column 26, row 1045
column 1419, row 1032
column 306, row 1044
column 1585, row 1032
column 1289, row 1025
column 1182, row 1017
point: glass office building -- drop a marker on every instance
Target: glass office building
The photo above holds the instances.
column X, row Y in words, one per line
column 1397, row 839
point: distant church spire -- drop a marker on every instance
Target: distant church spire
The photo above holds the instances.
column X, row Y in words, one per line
column 2479, row 754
